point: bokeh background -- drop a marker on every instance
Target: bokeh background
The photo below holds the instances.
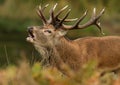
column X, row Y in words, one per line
column 17, row 15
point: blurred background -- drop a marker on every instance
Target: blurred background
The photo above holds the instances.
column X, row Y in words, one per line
column 17, row 15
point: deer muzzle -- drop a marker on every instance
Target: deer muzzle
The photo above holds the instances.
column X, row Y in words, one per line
column 30, row 37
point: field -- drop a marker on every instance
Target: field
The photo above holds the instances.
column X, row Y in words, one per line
column 20, row 62
column 24, row 74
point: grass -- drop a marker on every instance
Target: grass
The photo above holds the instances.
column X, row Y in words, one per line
column 24, row 74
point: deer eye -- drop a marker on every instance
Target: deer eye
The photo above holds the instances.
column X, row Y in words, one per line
column 47, row 32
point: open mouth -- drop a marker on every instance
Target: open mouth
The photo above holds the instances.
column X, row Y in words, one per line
column 30, row 37
column 30, row 32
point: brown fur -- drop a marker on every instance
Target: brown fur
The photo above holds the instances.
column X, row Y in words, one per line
column 59, row 52
column 74, row 53
column 106, row 50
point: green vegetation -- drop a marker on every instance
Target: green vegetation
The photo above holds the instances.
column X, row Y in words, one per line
column 35, row 75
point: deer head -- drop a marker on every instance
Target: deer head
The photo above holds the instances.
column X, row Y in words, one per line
column 54, row 28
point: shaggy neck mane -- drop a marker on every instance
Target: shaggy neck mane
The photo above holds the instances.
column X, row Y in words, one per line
column 64, row 51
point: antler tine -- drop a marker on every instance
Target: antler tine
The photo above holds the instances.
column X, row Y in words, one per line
column 39, row 12
column 45, row 7
column 93, row 21
column 55, row 6
column 97, row 23
column 94, row 13
column 101, row 31
column 64, row 17
column 77, row 23
column 68, row 20
column 59, row 12
column 52, row 18
column 102, row 12
column 80, row 19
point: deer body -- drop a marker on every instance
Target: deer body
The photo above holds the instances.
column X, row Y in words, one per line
column 105, row 50
column 57, row 51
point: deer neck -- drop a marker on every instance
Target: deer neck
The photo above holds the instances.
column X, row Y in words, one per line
column 68, row 52
column 64, row 46
column 62, row 43
column 48, row 53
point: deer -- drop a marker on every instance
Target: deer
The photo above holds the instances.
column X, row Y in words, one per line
column 58, row 51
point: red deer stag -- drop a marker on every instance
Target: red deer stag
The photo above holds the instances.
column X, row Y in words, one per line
column 57, row 51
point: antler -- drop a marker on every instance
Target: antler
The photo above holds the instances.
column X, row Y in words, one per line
column 66, row 20
column 53, row 18
column 39, row 12
column 57, row 22
column 61, row 21
column 93, row 21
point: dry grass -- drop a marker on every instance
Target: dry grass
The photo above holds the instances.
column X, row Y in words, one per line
column 35, row 75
